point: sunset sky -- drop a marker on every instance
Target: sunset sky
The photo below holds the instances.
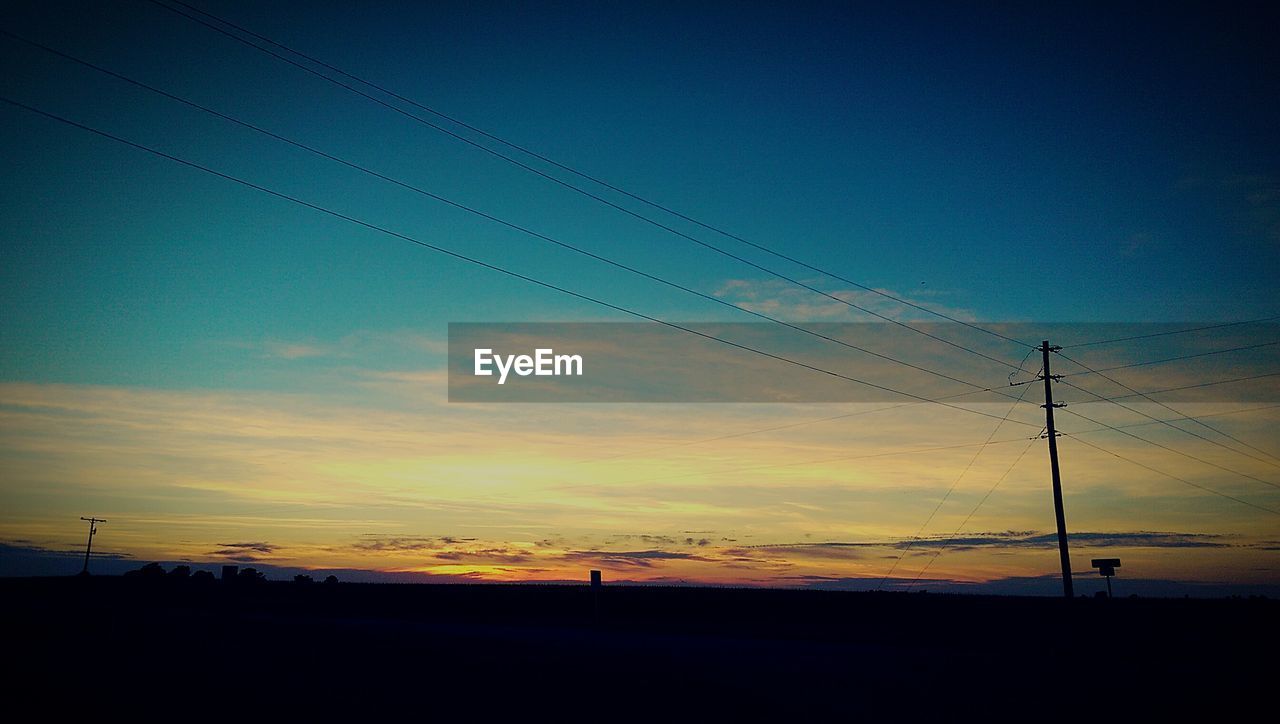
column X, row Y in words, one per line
column 229, row 377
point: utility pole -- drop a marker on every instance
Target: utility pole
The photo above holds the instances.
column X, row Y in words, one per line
column 1067, row 590
column 93, row 528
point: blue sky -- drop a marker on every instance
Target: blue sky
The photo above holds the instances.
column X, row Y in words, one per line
column 1085, row 164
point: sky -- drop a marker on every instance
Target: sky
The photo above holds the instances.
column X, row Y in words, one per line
column 226, row 376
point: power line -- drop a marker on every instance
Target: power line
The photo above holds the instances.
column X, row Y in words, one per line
column 1170, row 424
column 951, row 489
column 1186, row 387
column 588, row 194
column 1025, row 357
column 1176, row 412
column 581, row 174
column 778, row 427
column 867, row 456
column 1210, row 414
column 772, row 466
column 484, row 215
column 1165, row 334
column 1174, row 359
column 478, row 262
column 972, row 513
column 833, row 418
column 981, row 502
column 1205, row 488
column 1172, row 450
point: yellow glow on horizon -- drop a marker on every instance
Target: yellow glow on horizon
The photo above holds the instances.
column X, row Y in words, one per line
column 506, row 496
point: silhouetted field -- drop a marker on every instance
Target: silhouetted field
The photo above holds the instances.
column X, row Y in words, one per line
column 652, row 651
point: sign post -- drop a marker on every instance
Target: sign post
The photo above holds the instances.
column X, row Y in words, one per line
column 1107, row 568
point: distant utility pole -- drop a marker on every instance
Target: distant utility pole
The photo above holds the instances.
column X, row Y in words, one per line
column 93, row 528
column 1052, row 433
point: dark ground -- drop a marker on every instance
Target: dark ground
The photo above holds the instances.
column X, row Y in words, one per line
column 386, row 650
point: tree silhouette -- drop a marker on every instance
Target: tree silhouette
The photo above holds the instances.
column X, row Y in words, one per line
column 150, row 570
column 251, row 575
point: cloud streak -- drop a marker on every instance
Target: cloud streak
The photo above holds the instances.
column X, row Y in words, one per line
column 1008, row 539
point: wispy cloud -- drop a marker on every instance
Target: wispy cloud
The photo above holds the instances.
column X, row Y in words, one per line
column 294, row 350
column 631, row 559
column 244, row 552
column 1005, row 539
column 786, row 301
column 260, row 547
column 367, row 345
column 379, row 543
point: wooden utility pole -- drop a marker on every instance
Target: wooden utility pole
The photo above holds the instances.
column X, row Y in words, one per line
column 1067, row 589
column 93, row 528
